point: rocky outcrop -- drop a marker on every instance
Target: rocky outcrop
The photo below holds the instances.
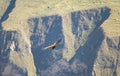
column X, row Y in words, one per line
column 15, row 50
column 84, row 50
column 107, row 62
column 15, row 55
column 81, row 39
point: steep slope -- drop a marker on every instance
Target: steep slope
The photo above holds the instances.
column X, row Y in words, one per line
column 15, row 55
column 83, row 24
column 7, row 67
column 77, row 31
column 15, row 58
column 3, row 6
column 107, row 62
column 45, row 31
column 89, row 31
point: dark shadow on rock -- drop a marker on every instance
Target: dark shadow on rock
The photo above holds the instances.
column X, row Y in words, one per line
column 6, row 37
column 7, row 12
column 96, row 16
column 83, row 61
column 88, row 52
column 119, row 44
column 0, row 27
column 46, row 30
column 59, row 68
column 14, row 70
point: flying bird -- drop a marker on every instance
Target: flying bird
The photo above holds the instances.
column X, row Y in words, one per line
column 52, row 46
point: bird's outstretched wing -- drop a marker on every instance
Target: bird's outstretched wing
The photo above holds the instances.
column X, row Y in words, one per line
column 53, row 45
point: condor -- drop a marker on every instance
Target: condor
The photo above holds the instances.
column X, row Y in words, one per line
column 52, row 46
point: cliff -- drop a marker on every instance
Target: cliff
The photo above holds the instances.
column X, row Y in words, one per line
column 87, row 47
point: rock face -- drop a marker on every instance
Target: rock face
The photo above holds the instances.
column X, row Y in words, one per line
column 15, row 50
column 108, row 61
column 84, row 50
column 15, row 55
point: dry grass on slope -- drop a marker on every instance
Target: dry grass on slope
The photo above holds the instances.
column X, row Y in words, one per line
column 112, row 25
column 3, row 6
